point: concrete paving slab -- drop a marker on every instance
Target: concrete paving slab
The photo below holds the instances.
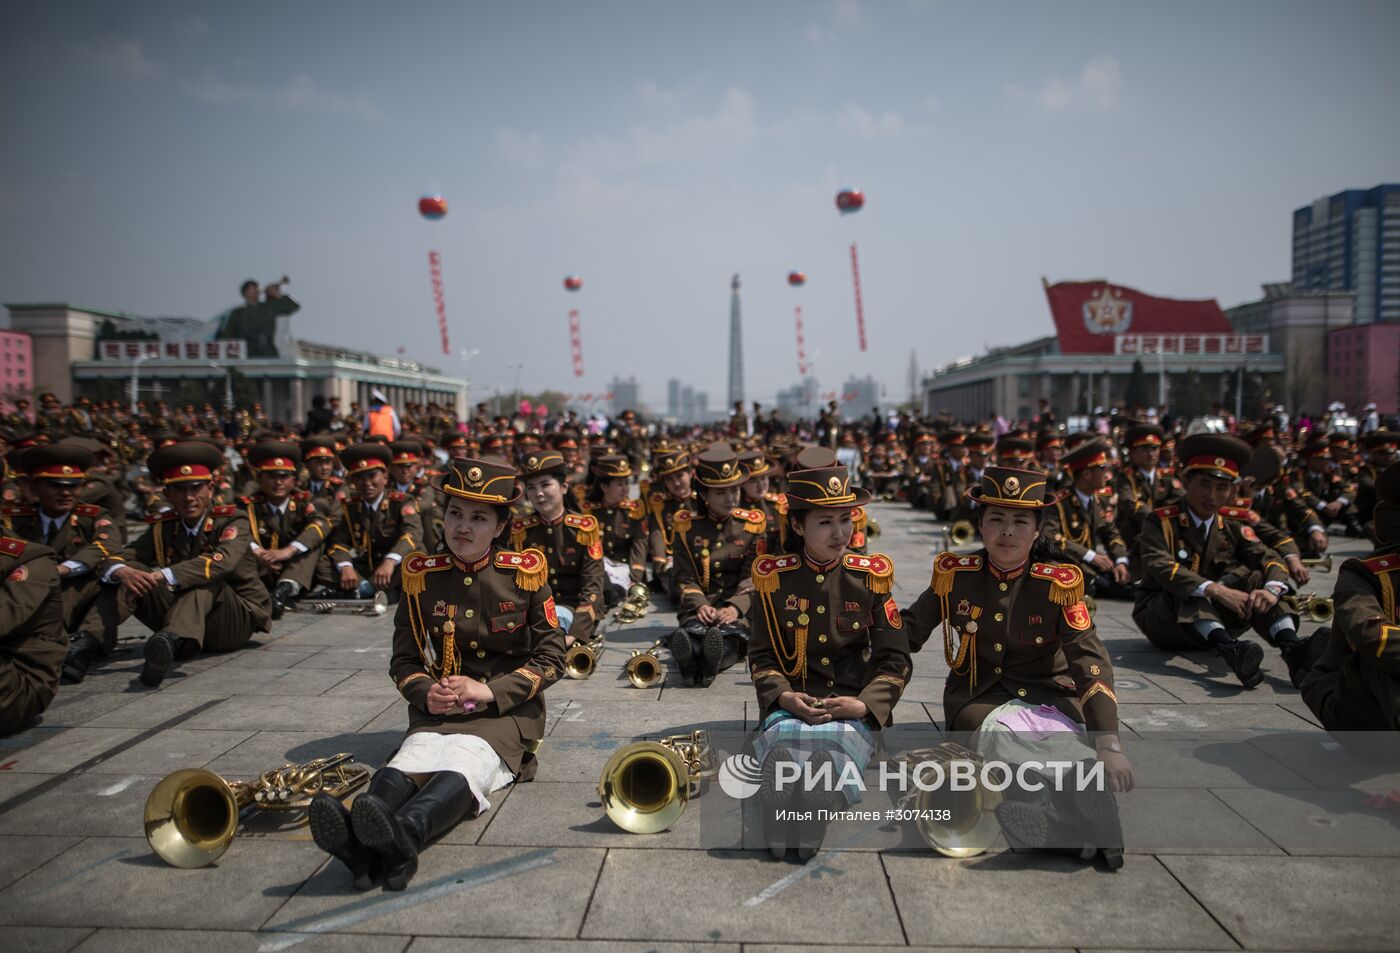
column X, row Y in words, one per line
column 1328, row 764
column 259, row 681
column 265, row 750
column 1166, row 761
column 117, row 881
column 149, row 710
column 1187, row 821
column 458, row 892
column 367, row 657
column 425, row 944
column 70, row 709
column 1295, row 903
column 747, row 898
column 87, row 805
column 1209, row 719
column 265, row 713
column 22, row 853
column 67, row 749
column 171, row 750
column 225, row 941
column 1058, row 902
column 364, row 684
column 1319, row 822
column 44, row 939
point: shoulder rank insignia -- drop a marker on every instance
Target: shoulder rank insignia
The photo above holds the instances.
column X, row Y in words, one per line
column 878, row 569
column 635, row 508
column 394, row 495
column 1239, row 513
column 657, row 498
column 416, row 566
column 11, row 546
column 17, row 509
column 858, row 518
column 779, row 501
column 1380, row 564
column 1166, row 512
column 754, row 520
column 766, row 569
column 1067, row 581
column 529, row 565
column 946, row 565
column 161, row 517
column 245, row 500
column 87, row 509
column 227, row 510
column 585, row 527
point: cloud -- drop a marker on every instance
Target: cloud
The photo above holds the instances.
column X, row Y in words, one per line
column 864, row 125
column 1098, row 88
column 125, row 58
column 652, row 94
column 521, row 148
column 299, row 94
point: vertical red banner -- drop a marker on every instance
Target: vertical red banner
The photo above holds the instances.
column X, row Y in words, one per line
column 576, row 342
column 801, row 344
column 435, row 269
column 860, row 311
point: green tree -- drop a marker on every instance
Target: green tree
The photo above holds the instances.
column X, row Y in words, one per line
column 1139, row 394
column 1188, row 395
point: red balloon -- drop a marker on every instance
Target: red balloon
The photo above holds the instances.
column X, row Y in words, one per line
column 850, row 200
column 573, row 283
column 432, row 207
column 797, row 279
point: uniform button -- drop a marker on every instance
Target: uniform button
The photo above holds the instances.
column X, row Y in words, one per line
column 1039, row 639
column 467, row 580
column 821, row 610
column 1021, row 692
column 1001, row 586
column 997, row 670
column 549, row 549
column 469, row 613
column 821, row 578
column 855, row 625
column 825, row 660
column 480, row 653
column 996, row 647
column 999, row 617
column 789, row 625
column 830, row 684
column 821, row 638
column 471, row 645
column 510, row 625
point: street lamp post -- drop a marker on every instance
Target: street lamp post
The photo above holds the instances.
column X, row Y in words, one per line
column 136, row 378
column 228, row 383
column 467, row 355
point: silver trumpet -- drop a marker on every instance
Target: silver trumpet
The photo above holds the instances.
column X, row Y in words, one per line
column 375, row 607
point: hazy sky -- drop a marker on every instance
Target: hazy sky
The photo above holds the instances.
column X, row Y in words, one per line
column 158, row 154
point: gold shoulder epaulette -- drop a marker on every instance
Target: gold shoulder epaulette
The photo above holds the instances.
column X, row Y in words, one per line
column 245, row 500
column 858, row 518
column 585, row 527
column 754, row 520
column 226, row 510
column 657, row 498
column 416, row 566
column 779, row 501
column 766, row 569
column 946, row 565
column 1067, row 581
column 878, row 569
column 635, row 508
column 681, row 518
column 529, row 565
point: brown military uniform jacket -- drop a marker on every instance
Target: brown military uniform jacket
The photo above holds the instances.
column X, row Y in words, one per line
column 301, row 522
column 84, row 536
column 775, row 511
column 391, row 527
column 494, row 621
column 1279, row 540
column 328, row 496
column 626, row 536
column 1025, row 633
column 1077, row 530
column 107, row 492
column 662, row 509
column 573, row 548
column 1355, row 684
column 948, row 487
column 713, row 562
column 32, row 642
column 1137, row 498
column 828, row 630
column 430, row 510
column 218, row 553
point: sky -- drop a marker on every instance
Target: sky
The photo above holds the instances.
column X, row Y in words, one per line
column 157, row 154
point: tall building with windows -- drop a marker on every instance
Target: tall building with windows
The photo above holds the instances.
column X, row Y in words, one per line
column 1351, row 242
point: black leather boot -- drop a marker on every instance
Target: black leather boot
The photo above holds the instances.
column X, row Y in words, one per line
column 398, row 836
column 82, row 650
column 1244, row 658
column 711, row 654
column 160, row 658
column 681, row 653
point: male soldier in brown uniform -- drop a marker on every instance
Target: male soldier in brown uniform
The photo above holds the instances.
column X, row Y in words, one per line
column 672, row 469
column 1381, row 448
column 1355, row 683
column 755, row 495
column 1263, row 470
column 105, row 486
column 376, row 529
column 1049, row 450
column 288, row 532
column 406, row 477
column 31, row 632
column 191, row 574
column 327, row 490
column 713, row 561
column 1079, row 522
column 1206, row 577
column 623, row 523
column 572, row 544
column 951, row 480
column 82, row 538
column 1140, row 484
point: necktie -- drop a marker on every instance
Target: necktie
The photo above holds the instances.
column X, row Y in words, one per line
column 274, row 523
column 48, row 530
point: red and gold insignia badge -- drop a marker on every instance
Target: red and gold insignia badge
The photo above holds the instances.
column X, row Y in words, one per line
column 1078, row 617
column 1249, row 534
column 551, row 616
column 440, row 607
column 408, row 510
column 230, row 532
column 964, row 607
column 791, row 602
column 18, row 574
column 1034, row 620
column 852, row 607
column 510, row 606
column 596, row 550
column 892, row 614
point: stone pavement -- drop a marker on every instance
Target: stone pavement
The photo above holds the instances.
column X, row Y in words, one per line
column 1248, row 828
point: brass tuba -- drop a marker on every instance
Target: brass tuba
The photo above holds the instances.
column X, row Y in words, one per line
column 644, row 669
column 582, row 658
column 961, row 532
column 972, row 826
column 192, row 814
column 646, row 785
column 1315, row 607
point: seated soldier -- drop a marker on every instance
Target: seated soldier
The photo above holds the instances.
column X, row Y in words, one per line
column 191, row 576
column 623, row 523
column 287, row 530
column 1206, row 577
column 1080, row 523
column 378, row 527
column 81, row 536
column 673, row 468
column 1355, row 683
column 572, row 544
column 31, row 632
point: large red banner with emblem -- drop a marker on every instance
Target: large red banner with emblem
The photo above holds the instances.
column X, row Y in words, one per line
column 1090, row 314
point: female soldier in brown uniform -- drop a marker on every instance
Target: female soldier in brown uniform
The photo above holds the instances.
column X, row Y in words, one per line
column 623, row 523
column 1020, row 643
column 476, row 642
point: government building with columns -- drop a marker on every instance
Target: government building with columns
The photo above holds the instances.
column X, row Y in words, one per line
column 79, row 351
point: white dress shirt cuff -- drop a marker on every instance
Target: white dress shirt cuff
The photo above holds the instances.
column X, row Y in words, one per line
column 299, row 546
column 75, row 568
column 1200, row 592
column 395, row 557
column 169, row 576
column 1089, row 557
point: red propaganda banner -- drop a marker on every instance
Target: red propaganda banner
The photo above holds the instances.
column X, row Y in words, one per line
column 1089, row 315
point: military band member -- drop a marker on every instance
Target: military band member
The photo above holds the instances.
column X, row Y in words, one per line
column 715, row 547
column 1355, row 683
column 476, row 643
column 755, row 493
column 82, row 538
column 1207, row 577
column 828, row 654
column 1019, row 640
column 326, row 489
column 1049, row 449
column 1140, row 484
column 1263, row 470
column 1015, row 452
column 286, row 529
column 191, row 576
column 1080, row 523
column 623, row 523
column 1381, row 449
column 105, row 487
column 672, row 469
column 377, row 527
column 1324, row 487
column 572, row 544
column 407, row 476
column 953, row 480
column 31, row 632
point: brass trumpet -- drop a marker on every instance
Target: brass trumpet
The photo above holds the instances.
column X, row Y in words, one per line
column 375, row 607
column 192, row 814
column 972, row 827
column 582, row 658
column 644, row 668
column 637, row 603
column 646, row 785
column 1315, row 607
column 1321, row 563
column 961, row 532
